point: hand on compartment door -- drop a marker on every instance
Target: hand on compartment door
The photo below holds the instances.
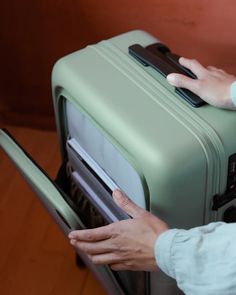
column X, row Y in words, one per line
column 212, row 84
column 126, row 244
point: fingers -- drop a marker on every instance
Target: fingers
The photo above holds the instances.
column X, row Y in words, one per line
column 119, row 266
column 130, row 266
column 179, row 80
column 194, row 66
column 93, row 248
column 109, row 258
column 92, row 235
column 211, row 68
column 127, row 205
column 183, row 81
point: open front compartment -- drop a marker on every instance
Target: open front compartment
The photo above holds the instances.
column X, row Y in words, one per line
column 90, row 186
column 71, row 209
column 88, row 138
column 55, row 196
column 93, row 203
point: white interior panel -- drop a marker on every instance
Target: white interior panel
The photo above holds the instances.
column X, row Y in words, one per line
column 101, row 153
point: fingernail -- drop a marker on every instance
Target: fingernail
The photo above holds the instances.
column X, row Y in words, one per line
column 116, row 191
column 117, row 195
column 71, row 235
column 171, row 79
column 72, row 242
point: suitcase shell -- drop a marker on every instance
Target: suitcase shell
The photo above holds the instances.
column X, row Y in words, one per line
column 121, row 124
column 180, row 153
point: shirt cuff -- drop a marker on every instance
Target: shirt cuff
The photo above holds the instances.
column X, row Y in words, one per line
column 233, row 93
column 163, row 251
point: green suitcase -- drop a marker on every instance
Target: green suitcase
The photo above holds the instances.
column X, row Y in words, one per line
column 120, row 124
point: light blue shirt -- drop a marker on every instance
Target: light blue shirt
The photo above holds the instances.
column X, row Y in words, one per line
column 233, row 93
column 202, row 260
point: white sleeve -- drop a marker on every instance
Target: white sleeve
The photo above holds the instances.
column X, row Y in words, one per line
column 202, row 259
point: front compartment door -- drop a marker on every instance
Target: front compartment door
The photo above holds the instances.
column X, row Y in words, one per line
column 55, row 201
column 48, row 192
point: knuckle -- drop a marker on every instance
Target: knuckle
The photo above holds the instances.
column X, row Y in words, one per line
column 87, row 236
column 85, row 248
column 177, row 80
column 129, row 265
column 110, row 228
column 210, row 68
column 81, row 247
column 117, row 247
column 95, row 259
column 193, row 61
column 198, row 86
column 90, row 257
column 117, row 267
column 123, row 200
column 114, row 229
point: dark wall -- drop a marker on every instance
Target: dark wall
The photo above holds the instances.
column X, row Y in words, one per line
column 34, row 34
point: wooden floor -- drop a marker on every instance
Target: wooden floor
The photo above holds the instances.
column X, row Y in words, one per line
column 35, row 257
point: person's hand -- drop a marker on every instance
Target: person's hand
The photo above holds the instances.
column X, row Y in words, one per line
column 124, row 245
column 212, row 84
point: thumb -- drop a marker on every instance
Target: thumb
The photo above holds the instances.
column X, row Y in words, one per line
column 183, row 81
column 127, row 205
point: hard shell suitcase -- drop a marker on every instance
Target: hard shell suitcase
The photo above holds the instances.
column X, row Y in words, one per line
column 120, row 124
